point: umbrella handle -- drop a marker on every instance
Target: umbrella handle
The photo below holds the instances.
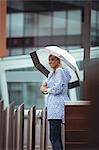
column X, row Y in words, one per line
column 44, row 93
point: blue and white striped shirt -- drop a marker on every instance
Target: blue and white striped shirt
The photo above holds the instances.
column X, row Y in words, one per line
column 57, row 93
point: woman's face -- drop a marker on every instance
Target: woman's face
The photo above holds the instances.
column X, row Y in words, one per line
column 54, row 62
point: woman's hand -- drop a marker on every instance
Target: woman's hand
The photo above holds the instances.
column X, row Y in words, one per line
column 45, row 84
column 44, row 87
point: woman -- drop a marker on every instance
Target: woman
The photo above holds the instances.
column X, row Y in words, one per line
column 56, row 87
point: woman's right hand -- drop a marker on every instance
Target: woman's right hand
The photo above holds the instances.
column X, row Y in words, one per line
column 44, row 88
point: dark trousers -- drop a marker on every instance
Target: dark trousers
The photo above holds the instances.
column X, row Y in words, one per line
column 55, row 134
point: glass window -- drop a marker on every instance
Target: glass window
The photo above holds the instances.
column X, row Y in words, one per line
column 29, row 50
column 8, row 25
column 16, row 51
column 98, row 25
column 44, row 24
column 8, row 51
column 74, row 22
column 31, row 24
column 73, row 47
column 27, row 93
column 94, row 52
column 0, row 93
column 59, row 23
column 94, row 27
column 17, row 24
column 93, row 24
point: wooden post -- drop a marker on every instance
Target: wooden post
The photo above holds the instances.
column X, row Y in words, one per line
column 44, row 131
column 86, row 40
column 9, row 127
column 1, row 121
column 76, row 125
column 3, row 132
column 19, row 128
column 31, row 129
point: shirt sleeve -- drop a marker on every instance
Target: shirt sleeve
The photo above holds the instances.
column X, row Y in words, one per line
column 57, row 87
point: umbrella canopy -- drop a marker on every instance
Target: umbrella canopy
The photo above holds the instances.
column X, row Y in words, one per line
column 40, row 60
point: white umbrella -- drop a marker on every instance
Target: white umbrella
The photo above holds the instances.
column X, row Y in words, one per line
column 66, row 57
column 40, row 60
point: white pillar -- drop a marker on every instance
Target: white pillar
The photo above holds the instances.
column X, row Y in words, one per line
column 73, row 95
column 4, row 89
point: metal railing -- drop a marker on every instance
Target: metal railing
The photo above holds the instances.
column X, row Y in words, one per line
column 12, row 128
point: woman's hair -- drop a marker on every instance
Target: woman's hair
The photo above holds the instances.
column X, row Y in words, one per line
column 54, row 56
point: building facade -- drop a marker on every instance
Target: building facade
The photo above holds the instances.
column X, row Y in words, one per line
column 30, row 25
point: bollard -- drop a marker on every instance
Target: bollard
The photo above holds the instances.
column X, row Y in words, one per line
column 19, row 128
column 31, row 129
column 44, row 131
column 9, row 127
column 1, row 122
